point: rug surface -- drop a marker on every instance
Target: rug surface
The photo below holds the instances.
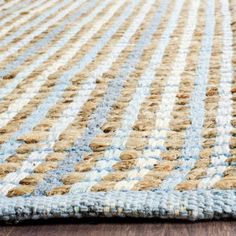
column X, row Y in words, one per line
column 117, row 108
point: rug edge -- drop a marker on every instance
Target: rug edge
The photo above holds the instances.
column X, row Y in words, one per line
column 186, row 205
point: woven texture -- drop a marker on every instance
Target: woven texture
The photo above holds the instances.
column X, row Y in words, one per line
column 117, row 108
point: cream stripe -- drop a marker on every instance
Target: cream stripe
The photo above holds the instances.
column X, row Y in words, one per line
column 15, row 47
column 72, row 110
column 163, row 115
column 121, row 136
column 17, row 13
column 223, row 119
column 25, row 18
column 32, row 90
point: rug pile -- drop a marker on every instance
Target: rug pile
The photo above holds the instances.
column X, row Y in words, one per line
column 117, row 108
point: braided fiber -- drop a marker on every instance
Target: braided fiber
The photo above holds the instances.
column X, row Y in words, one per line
column 117, row 108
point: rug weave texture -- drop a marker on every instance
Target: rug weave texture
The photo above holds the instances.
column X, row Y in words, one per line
column 117, row 108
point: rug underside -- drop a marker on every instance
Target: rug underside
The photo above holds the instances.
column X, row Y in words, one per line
column 117, row 108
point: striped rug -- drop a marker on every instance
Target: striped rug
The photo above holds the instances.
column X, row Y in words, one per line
column 117, row 108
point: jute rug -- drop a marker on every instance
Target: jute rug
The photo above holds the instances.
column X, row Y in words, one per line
column 117, row 108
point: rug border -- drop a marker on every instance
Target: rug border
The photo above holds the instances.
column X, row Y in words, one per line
column 190, row 205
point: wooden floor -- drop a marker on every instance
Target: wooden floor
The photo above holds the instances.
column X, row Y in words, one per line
column 118, row 227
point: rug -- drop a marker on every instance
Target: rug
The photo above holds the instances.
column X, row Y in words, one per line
column 117, row 108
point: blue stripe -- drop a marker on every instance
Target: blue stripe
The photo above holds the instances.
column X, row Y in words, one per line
column 98, row 118
column 193, row 138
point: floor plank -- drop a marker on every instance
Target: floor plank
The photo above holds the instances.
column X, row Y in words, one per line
column 117, row 228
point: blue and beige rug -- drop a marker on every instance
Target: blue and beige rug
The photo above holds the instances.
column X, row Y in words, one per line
column 117, row 108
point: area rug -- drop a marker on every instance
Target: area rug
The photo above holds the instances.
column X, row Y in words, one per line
column 117, row 108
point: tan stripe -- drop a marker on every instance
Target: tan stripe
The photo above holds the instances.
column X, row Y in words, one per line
column 180, row 121
column 228, row 180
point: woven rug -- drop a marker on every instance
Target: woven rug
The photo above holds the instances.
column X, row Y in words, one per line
column 117, row 108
